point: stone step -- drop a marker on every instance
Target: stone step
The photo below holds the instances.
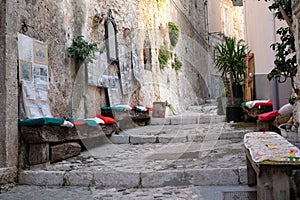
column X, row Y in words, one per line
column 194, row 118
column 125, row 179
column 119, row 193
column 144, row 139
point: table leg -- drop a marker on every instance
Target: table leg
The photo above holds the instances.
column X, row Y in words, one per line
column 251, row 175
column 273, row 183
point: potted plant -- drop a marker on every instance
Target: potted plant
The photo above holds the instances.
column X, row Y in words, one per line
column 231, row 63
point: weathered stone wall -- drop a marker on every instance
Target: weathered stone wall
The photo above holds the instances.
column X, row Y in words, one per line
column 8, row 93
column 188, row 85
column 232, row 19
column 57, row 23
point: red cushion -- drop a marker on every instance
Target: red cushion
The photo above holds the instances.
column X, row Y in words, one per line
column 78, row 123
column 269, row 116
column 149, row 108
column 107, row 120
column 262, row 103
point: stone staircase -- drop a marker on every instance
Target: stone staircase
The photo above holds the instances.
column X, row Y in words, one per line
column 196, row 148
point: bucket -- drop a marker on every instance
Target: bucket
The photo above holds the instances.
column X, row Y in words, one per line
column 289, row 133
column 234, row 114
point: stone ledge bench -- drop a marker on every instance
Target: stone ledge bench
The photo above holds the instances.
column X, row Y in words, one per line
column 46, row 144
column 271, row 160
column 128, row 118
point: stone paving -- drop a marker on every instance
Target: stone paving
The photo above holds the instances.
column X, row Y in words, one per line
column 94, row 193
column 176, row 158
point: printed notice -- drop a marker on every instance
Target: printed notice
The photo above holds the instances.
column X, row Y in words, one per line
column 40, row 53
column 25, row 48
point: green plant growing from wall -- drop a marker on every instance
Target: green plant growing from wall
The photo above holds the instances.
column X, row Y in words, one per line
column 173, row 33
column 163, row 57
column 176, row 64
column 82, row 51
column 170, row 106
column 160, row 3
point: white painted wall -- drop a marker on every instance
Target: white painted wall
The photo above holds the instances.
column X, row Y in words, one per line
column 260, row 34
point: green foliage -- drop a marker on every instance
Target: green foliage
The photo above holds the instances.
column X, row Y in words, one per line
column 176, row 64
column 173, row 33
column 230, row 59
column 287, row 7
column 170, row 106
column 286, row 59
column 163, row 57
column 82, row 51
column 160, row 3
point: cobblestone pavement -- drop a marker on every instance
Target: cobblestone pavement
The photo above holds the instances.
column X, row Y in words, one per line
column 198, row 151
column 79, row 193
column 185, row 157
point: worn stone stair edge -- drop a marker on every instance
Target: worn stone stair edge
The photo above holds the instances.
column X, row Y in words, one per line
column 144, row 139
column 201, row 177
column 186, row 119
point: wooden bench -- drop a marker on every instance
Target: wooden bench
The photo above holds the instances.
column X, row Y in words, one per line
column 271, row 160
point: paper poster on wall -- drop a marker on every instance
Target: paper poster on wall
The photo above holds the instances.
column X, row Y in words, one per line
column 114, row 95
column 29, row 90
column 40, row 53
column 109, row 81
column 25, row 70
column 33, row 74
column 35, row 99
column 32, row 110
column 97, row 68
column 40, row 72
column 44, row 109
column 135, row 62
column 25, row 48
column 126, row 76
column 41, row 92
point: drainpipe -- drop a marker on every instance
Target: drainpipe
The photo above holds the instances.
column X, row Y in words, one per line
column 274, row 83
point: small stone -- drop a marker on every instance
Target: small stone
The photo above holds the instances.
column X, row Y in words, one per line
column 157, row 196
column 167, row 193
column 121, row 190
column 90, row 160
column 125, row 193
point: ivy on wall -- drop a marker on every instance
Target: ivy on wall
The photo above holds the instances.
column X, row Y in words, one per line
column 160, row 3
column 173, row 33
column 82, row 51
column 164, row 55
column 176, row 64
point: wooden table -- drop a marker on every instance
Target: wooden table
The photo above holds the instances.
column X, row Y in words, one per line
column 270, row 162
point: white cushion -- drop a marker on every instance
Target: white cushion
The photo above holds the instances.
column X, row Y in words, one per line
column 286, row 110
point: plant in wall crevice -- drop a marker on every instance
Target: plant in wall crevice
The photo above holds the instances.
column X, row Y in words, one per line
column 163, row 57
column 170, row 106
column 173, row 34
column 176, row 64
column 82, row 50
column 160, row 3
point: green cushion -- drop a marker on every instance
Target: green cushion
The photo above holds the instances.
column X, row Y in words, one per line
column 41, row 121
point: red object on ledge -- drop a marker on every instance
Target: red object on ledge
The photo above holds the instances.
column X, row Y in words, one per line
column 268, row 116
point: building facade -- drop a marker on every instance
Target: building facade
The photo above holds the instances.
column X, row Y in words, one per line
column 77, row 90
